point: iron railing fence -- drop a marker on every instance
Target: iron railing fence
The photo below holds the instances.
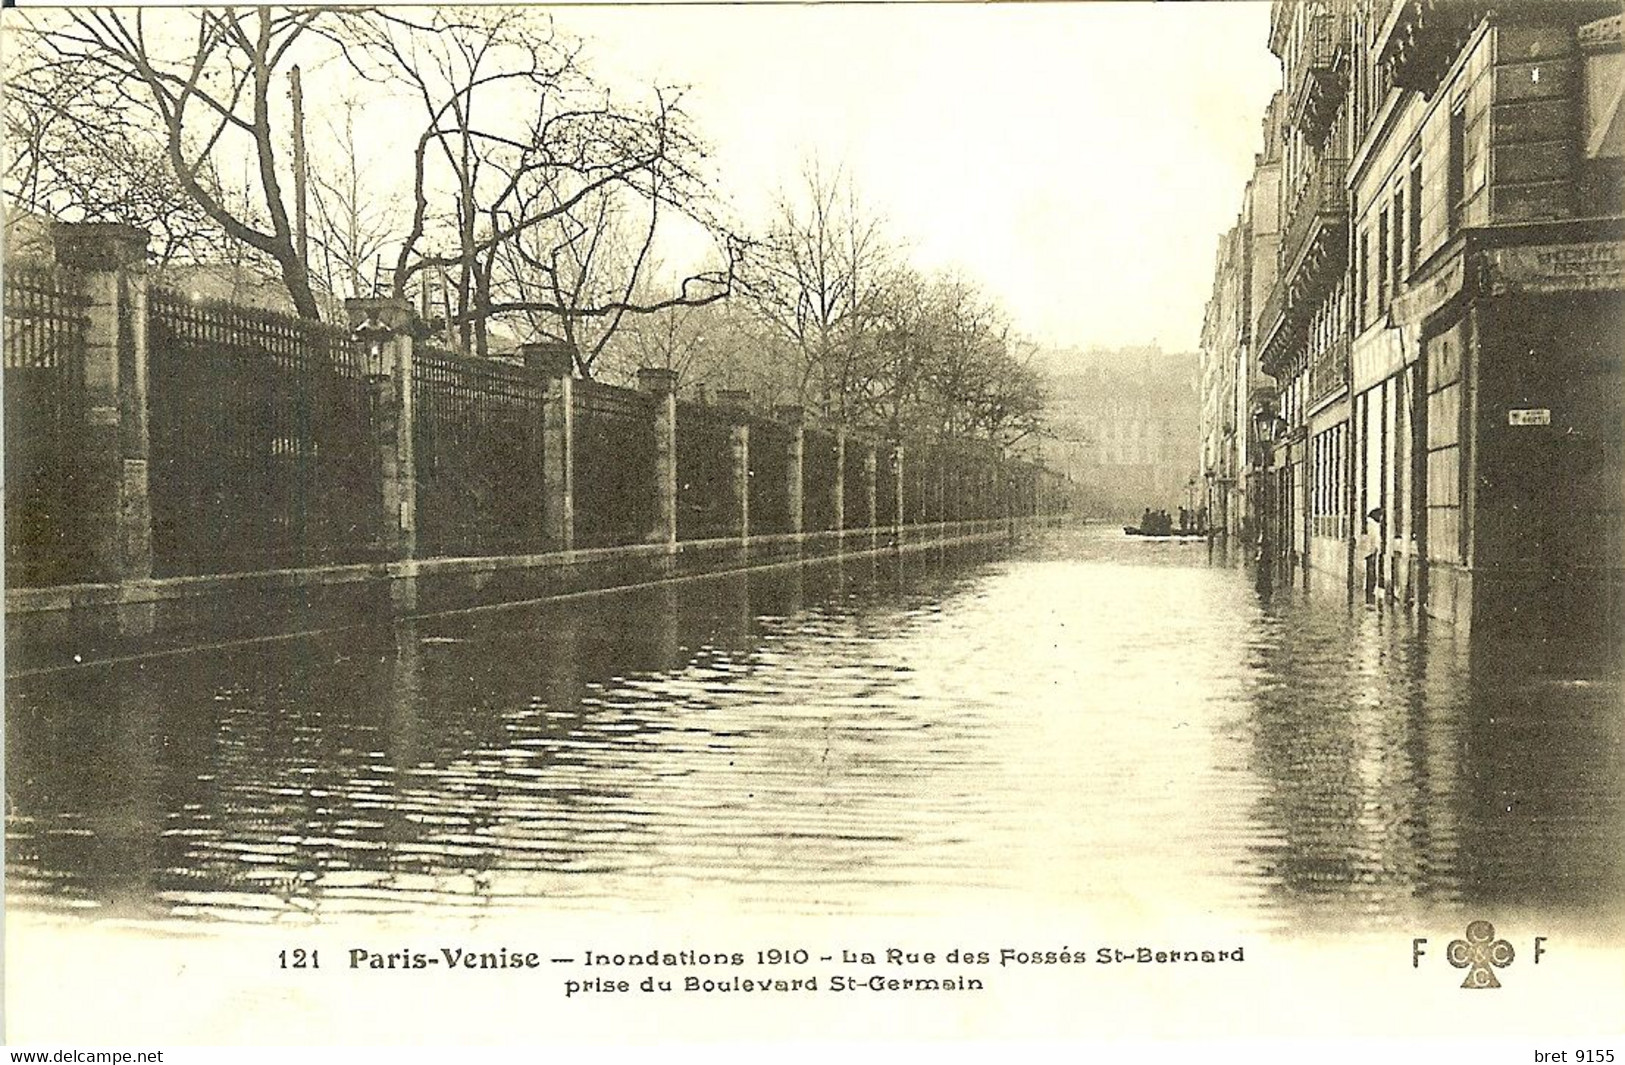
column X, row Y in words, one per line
column 705, row 489
column 769, row 464
column 886, row 485
column 854, row 488
column 264, row 441
column 818, row 474
column 613, row 448
column 478, row 456
column 45, row 329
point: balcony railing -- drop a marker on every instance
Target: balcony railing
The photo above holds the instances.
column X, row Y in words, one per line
column 1421, row 38
column 1329, row 370
column 1268, row 321
column 1315, row 228
column 1319, row 78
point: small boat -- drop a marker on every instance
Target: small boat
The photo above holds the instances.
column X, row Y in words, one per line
column 1157, row 525
column 1171, row 534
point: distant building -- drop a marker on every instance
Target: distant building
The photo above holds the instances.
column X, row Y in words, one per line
column 1125, row 424
column 1233, row 382
column 28, row 236
column 238, row 283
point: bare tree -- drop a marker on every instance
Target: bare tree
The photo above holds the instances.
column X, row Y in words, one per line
column 981, row 375
column 819, row 278
column 722, row 345
column 77, row 151
column 354, row 224
column 206, row 76
column 543, row 168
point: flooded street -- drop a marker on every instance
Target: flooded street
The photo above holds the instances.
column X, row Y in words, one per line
column 1077, row 720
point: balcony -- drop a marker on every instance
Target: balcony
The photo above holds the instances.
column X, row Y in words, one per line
column 1316, row 245
column 1313, row 257
column 1269, row 328
column 1420, row 39
column 1329, row 371
column 1319, row 78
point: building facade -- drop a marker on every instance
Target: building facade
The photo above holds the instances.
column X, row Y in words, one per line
column 1234, row 384
column 1447, row 325
column 1304, row 336
column 1125, row 427
column 1224, row 343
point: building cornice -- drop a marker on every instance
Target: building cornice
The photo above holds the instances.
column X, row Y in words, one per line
column 1382, row 128
column 1603, row 35
column 1377, row 132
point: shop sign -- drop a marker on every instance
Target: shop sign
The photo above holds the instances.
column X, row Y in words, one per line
column 1529, row 416
column 1558, row 267
column 1423, row 299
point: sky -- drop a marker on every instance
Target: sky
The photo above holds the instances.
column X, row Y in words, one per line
column 1078, row 160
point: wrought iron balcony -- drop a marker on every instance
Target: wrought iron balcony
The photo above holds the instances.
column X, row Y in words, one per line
column 1269, row 319
column 1329, row 370
column 1316, row 245
column 1313, row 257
column 1319, row 78
column 1421, row 38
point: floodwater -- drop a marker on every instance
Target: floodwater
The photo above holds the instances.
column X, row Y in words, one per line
column 1078, row 719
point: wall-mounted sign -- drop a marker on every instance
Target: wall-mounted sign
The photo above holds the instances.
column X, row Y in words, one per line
column 1529, row 416
column 1558, row 268
column 1420, row 300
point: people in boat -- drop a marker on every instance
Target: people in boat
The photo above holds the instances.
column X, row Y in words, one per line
column 1160, row 523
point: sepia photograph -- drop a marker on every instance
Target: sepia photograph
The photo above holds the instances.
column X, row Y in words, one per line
column 1080, row 524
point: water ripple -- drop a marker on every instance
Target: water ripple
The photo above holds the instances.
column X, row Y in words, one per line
column 1085, row 719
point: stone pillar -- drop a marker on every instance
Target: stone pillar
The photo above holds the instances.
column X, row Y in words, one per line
column 984, row 485
column 839, row 487
column 975, row 477
column 990, row 482
column 898, row 463
column 117, row 507
column 870, row 501
column 737, row 403
column 796, row 418
column 384, row 328
column 1001, row 488
column 555, row 362
column 662, row 384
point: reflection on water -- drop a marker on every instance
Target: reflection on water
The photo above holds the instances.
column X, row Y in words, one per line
column 1082, row 720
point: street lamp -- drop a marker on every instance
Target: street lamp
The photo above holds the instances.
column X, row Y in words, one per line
column 1268, row 427
column 374, row 325
column 372, row 336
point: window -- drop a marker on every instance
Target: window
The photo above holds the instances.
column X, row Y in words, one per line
column 1458, row 164
column 1382, row 263
column 1400, row 268
column 1362, row 280
column 1327, row 482
column 1413, row 231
